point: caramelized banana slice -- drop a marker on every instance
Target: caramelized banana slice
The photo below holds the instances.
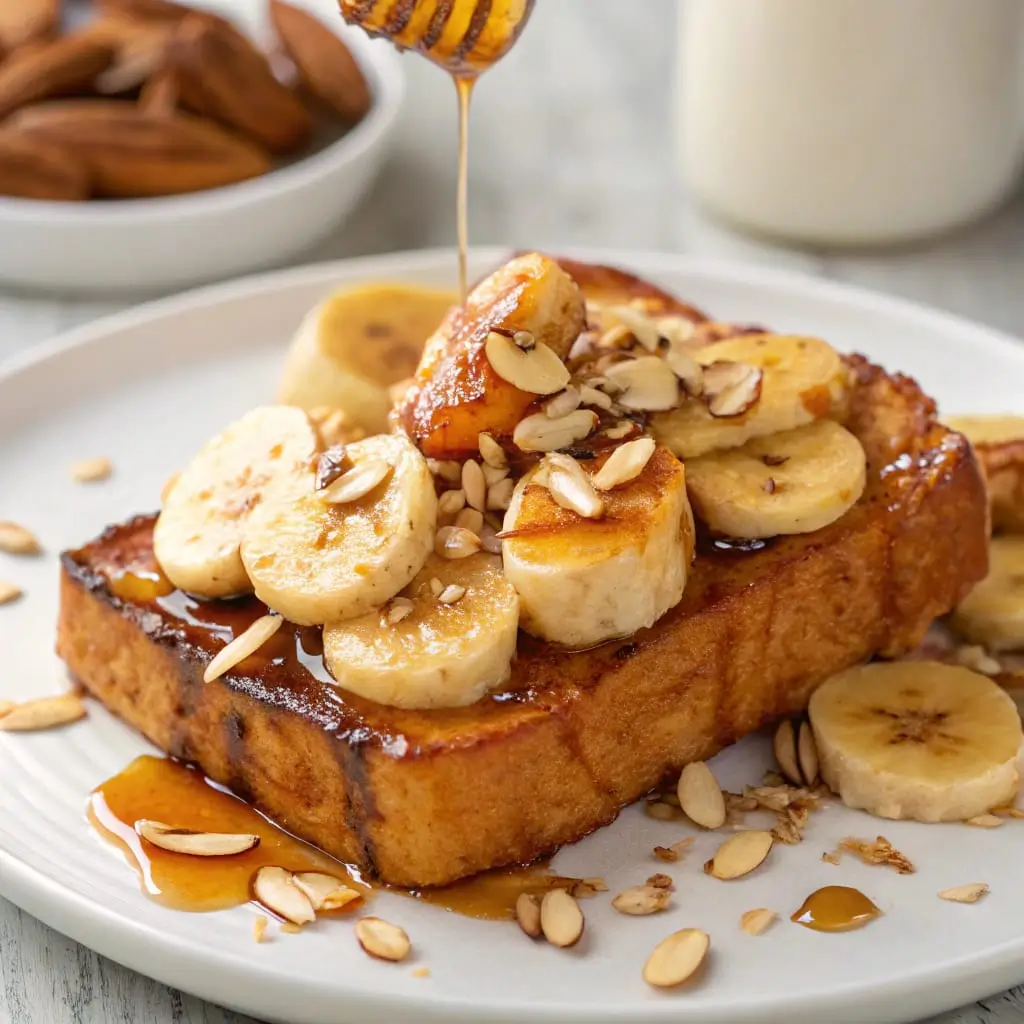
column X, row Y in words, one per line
column 992, row 614
column 458, row 394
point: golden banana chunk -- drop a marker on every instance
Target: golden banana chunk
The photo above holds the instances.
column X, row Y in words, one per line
column 794, row 482
column 999, row 442
column 446, row 640
column 917, row 740
column 316, row 559
column 805, row 379
column 992, row 614
column 353, row 347
column 583, row 580
column 268, row 455
column 458, row 394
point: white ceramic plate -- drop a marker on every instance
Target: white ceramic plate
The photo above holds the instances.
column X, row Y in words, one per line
column 146, row 245
column 146, row 388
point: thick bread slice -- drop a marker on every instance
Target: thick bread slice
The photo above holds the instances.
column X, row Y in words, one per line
column 1004, row 467
column 420, row 798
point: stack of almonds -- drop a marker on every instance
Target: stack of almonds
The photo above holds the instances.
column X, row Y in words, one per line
column 155, row 98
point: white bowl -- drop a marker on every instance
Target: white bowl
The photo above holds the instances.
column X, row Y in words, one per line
column 149, row 245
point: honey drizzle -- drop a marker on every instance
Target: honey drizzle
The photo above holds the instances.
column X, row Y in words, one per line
column 836, row 908
column 464, row 89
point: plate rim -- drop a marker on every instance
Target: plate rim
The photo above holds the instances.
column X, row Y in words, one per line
column 173, row 962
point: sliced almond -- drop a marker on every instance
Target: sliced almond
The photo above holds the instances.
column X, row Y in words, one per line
column 324, row 892
column 591, row 396
column 561, row 919
column 676, row 958
column 9, row 592
column 674, row 852
column 700, row 796
column 474, row 485
column 499, row 495
column 661, row 811
column 421, row 972
column 528, row 914
column 470, row 519
column 259, row 927
column 807, row 755
column 275, row 888
column 757, row 922
column 195, row 844
column 563, row 403
column 970, row 893
column 540, row 433
column 784, row 747
column 661, row 881
column 447, row 470
column 647, row 383
column 494, row 474
column 243, row 646
column 985, row 821
column 536, row 369
column 454, row 542
column 626, row 463
column 382, row 940
column 16, row 540
column 642, row 327
column 451, row 503
column 357, row 482
column 687, row 369
column 570, row 486
column 290, row 928
column 92, row 471
column 491, row 452
column 739, row 855
column 640, row 900
column 731, row 389
column 620, row 430
column 451, row 594
column 46, row 713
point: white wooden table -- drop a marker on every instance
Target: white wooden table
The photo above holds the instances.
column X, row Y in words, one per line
column 572, row 145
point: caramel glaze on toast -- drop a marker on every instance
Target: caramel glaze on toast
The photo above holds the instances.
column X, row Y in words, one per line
column 422, row 798
column 1004, row 467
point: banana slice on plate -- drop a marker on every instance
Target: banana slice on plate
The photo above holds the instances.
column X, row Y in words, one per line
column 339, row 552
column 446, row 640
column 917, row 740
column 804, row 379
column 583, row 579
column 989, row 429
column 992, row 614
column 267, row 455
column 352, row 348
column 794, row 482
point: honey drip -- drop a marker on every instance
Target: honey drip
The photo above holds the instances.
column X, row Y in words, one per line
column 836, row 908
column 464, row 87
column 164, row 790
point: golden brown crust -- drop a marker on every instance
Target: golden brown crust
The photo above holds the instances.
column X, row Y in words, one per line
column 1004, row 467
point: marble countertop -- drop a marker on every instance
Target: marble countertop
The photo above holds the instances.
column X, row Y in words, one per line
column 572, row 145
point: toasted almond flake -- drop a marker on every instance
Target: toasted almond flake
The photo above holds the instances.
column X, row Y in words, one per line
column 677, row 329
column 474, row 484
column 259, row 927
column 290, row 928
column 640, row 900
column 642, row 327
column 451, row 594
column 524, row 339
column 563, row 403
column 676, row 958
column 626, row 463
column 830, row 858
column 536, row 369
column 470, row 519
column 193, row 843
column 446, row 469
column 325, row 892
column 436, row 586
column 618, row 335
column 660, row 881
column 674, row 852
column 528, row 914
column 648, row 384
column 687, row 369
column 561, row 919
column 622, row 429
column 398, row 608
column 731, row 389
column 362, row 478
column 784, row 747
column 275, row 888
column 453, row 542
column 977, row 659
column 985, row 821
column 757, row 922
column 571, row 488
column 168, row 486
column 243, row 646
column 881, row 851
column 45, row 713
column 421, row 972
column 491, row 452
column 382, row 940
column 450, row 504
column 499, row 495
column 591, row 396
column 739, row 855
column 661, row 811
column 493, row 476
column 807, row 755
column 540, row 433
column 92, row 471
column 592, row 883
column 970, row 893
column 15, row 539
column 700, row 796
column 9, row 592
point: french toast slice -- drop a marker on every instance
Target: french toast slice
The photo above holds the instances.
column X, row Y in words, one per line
column 999, row 442
column 419, row 798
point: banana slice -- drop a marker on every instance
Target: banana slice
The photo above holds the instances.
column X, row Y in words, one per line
column 314, row 561
column 352, row 348
column 804, row 380
column 267, row 455
column 917, row 740
column 444, row 642
column 989, row 429
column 993, row 613
column 794, row 482
column 583, row 580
